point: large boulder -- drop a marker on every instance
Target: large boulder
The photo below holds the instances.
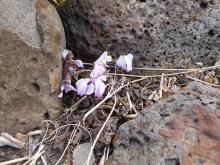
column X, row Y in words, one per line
column 181, row 129
column 158, row 32
column 31, row 41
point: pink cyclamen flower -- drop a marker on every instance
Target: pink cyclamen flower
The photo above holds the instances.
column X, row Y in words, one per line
column 125, row 62
column 99, row 86
column 103, row 59
column 84, row 87
column 66, row 86
column 97, row 71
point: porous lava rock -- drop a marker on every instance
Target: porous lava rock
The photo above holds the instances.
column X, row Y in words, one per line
column 167, row 33
column 31, row 42
column 181, row 129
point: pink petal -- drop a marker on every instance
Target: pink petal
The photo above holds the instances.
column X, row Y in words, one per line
column 71, row 70
column 81, row 86
column 125, row 62
column 99, row 88
column 79, row 63
column 128, row 60
column 100, row 60
column 68, row 88
column 103, row 78
column 121, row 63
column 65, row 52
column 97, row 71
column 90, row 89
column 103, row 59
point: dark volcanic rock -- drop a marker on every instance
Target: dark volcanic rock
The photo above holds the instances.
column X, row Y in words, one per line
column 160, row 32
column 182, row 129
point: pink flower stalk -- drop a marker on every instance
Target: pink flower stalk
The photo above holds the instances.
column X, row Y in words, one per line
column 125, row 62
column 84, row 87
column 66, row 87
column 103, row 59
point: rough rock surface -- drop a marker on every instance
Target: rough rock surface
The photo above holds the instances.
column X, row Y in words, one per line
column 31, row 41
column 160, row 32
column 181, row 129
column 81, row 153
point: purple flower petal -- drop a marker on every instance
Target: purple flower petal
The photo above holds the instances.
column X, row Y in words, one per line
column 79, row 63
column 65, row 52
column 103, row 59
column 99, row 88
column 125, row 62
column 67, row 85
column 103, row 78
column 97, row 71
column 90, row 89
column 128, row 60
column 121, row 63
column 81, row 86
column 71, row 70
column 68, row 88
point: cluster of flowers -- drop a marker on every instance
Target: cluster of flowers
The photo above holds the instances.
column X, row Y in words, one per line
column 96, row 81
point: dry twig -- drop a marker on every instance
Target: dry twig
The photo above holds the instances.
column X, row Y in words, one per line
column 100, row 131
column 14, row 161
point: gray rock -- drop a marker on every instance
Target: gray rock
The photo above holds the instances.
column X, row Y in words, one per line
column 31, row 42
column 160, row 32
column 181, row 129
column 81, row 153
